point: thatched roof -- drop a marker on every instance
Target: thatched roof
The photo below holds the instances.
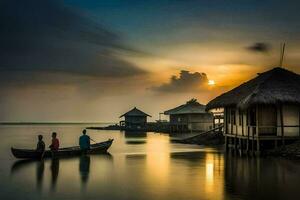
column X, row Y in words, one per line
column 191, row 107
column 136, row 113
column 275, row 86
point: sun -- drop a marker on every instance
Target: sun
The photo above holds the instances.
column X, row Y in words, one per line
column 211, row 82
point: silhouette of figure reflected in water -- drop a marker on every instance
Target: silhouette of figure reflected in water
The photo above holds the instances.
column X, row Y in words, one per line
column 84, row 168
column 54, row 167
column 39, row 172
column 40, row 166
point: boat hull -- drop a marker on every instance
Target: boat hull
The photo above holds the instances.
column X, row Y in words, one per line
column 97, row 148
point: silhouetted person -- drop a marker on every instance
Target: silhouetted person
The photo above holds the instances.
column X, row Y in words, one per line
column 54, row 146
column 84, row 141
column 41, row 144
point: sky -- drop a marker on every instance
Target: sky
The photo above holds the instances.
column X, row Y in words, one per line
column 93, row 60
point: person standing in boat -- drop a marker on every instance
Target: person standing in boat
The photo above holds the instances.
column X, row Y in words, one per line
column 84, row 141
column 55, row 142
column 40, row 147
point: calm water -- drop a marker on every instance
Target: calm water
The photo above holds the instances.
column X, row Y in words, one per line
column 140, row 166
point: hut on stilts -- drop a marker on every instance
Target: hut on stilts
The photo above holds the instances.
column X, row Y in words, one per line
column 261, row 113
column 190, row 117
column 135, row 120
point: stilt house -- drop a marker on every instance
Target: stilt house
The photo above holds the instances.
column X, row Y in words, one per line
column 135, row 119
column 190, row 117
column 262, row 112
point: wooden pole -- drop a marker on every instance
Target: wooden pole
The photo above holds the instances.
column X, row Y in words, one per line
column 299, row 121
column 282, row 125
column 282, row 55
column 247, row 126
column 226, row 143
column 225, row 121
column 225, row 129
column 257, row 132
column 242, row 118
column 252, row 135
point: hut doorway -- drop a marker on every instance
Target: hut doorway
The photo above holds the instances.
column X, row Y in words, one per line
column 267, row 119
column 252, row 120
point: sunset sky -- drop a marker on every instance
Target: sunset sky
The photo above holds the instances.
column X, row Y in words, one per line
column 92, row 60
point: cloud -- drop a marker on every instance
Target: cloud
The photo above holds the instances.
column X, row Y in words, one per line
column 50, row 36
column 259, row 47
column 186, row 82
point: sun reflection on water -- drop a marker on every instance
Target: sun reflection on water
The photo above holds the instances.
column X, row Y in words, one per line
column 214, row 184
column 158, row 158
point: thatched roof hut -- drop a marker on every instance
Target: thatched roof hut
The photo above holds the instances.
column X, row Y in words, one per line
column 275, row 86
column 263, row 112
column 190, row 107
column 190, row 116
column 135, row 119
column 135, row 113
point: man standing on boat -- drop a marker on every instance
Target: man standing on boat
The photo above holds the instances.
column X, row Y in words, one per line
column 55, row 142
column 84, row 141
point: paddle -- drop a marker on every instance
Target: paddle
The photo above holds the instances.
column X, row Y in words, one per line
column 93, row 140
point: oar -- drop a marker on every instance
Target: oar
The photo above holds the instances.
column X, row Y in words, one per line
column 93, row 140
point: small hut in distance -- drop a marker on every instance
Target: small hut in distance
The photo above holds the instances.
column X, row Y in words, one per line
column 262, row 112
column 190, row 117
column 135, row 119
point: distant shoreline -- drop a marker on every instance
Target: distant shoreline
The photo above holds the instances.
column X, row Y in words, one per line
column 53, row 123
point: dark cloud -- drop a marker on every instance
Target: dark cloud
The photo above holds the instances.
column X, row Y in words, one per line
column 46, row 35
column 259, row 47
column 186, row 82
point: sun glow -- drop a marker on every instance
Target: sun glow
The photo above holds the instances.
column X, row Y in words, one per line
column 211, row 82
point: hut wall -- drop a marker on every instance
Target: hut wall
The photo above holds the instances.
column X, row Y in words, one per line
column 234, row 123
column 241, row 122
column 267, row 120
column 136, row 119
column 196, row 122
column 178, row 119
column 200, row 122
column 269, row 123
column 290, row 118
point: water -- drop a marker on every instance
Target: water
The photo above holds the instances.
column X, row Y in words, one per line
column 139, row 166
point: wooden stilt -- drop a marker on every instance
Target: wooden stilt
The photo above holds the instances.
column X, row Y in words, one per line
column 247, row 132
column 247, row 145
column 282, row 124
column 240, row 146
column 299, row 121
column 242, row 118
column 235, row 144
column 257, row 147
column 226, row 143
column 257, row 131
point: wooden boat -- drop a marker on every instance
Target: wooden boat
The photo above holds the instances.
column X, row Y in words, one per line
column 63, row 152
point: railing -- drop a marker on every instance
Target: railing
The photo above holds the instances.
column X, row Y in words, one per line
column 262, row 130
column 209, row 131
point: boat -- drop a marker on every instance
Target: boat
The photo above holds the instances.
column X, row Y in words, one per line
column 96, row 148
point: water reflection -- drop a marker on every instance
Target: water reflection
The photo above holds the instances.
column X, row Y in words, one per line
column 54, row 167
column 84, row 168
column 40, row 166
column 157, row 169
column 135, row 137
column 158, row 159
column 264, row 178
column 203, row 171
column 135, row 134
